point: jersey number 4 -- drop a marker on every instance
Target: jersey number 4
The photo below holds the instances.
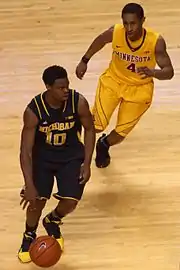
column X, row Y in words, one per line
column 56, row 139
column 132, row 67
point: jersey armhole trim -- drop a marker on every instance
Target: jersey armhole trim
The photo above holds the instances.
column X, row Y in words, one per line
column 73, row 102
column 44, row 105
column 65, row 105
column 39, row 112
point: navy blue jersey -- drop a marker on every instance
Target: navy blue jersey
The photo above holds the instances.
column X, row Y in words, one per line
column 58, row 134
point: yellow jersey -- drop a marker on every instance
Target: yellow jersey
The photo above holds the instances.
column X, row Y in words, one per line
column 126, row 59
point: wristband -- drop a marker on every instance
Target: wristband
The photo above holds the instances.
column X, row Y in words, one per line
column 85, row 59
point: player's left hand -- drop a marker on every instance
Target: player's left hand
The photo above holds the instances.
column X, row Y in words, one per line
column 85, row 174
column 145, row 72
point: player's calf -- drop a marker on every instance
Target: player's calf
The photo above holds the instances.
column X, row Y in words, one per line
column 103, row 144
column 29, row 235
column 66, row 206
column 53, row 220
column 114, row 138
column 102, row 152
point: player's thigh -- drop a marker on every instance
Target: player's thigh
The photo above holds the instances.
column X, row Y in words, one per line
column 138, row 93
column 129, row 115
column 106, row 101
column 136, row 101
column 68, row 182
column 43, row 178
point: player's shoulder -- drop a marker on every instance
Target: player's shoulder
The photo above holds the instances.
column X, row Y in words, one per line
column 35, row 104
column 118, row 32
column 73, row 91
column 118, row 26
column 152, row 32
column 73, row 94
column 79, row 97
column 38, row 96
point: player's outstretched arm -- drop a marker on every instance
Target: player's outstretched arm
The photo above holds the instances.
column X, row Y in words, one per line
column 26, row 146
column 98, row 43
column 163, row 60
column 89, row 135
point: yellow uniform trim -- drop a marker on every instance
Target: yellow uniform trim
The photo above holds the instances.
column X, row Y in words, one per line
column 42, row 198
column 73, row 102
column 44, row 105
column 79, row 136
column 38, row 108
column 65, row 104
column 67, row 198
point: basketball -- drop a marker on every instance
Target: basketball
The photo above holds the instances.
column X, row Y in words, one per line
column 45, row 251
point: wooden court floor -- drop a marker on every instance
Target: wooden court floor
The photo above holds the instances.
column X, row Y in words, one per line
column 129, row 217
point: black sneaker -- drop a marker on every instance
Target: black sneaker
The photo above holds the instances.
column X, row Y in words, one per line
column 23, row 254
column 52, row 228
column 102, row 153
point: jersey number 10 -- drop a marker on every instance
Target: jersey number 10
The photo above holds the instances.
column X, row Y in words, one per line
column 56, row 139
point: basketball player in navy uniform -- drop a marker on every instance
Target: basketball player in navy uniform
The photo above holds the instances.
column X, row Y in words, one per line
column 51, row 147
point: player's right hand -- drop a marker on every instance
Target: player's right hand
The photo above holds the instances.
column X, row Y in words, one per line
column 81, row 69
column 30, row 197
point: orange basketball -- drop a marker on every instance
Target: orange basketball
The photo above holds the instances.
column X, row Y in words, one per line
column 45, row 251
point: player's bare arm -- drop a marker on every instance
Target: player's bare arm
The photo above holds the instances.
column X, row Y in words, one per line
column 98, row 43
column 163, row 60
column 166, row 71
column 89, row 136
column 27, row 142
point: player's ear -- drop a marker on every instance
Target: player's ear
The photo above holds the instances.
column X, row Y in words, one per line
column 68, row 81
column 143, row 19
column 48, row 87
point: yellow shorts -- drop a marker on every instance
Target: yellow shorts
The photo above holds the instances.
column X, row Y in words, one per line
column 133, row 102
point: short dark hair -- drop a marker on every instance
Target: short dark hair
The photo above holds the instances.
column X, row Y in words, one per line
column 133, row 8
column 53, row 73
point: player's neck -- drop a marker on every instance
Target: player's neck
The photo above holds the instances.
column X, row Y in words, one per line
column 138, row 36
column 53, row 103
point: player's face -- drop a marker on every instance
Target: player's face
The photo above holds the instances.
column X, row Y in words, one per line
column 132, row 25
column 60, row 89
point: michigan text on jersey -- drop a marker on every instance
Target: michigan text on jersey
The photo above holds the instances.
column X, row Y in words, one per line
column 57, row 126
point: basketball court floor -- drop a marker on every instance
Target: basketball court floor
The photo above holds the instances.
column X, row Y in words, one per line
column 129, row 217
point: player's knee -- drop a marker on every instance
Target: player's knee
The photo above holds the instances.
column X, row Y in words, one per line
column 39, row 206
column 67, row 206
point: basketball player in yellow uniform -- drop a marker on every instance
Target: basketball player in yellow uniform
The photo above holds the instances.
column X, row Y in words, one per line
column 128, row 81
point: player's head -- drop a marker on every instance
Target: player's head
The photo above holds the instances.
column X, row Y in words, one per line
column 133, row 19
column 56, row 80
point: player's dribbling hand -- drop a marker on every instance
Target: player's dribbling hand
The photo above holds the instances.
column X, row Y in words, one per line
column 30, row 196
column 81, row 69
column 85, row 174
column 145, row 72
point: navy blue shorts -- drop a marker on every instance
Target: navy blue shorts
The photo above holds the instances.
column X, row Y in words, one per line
column 67, row 179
